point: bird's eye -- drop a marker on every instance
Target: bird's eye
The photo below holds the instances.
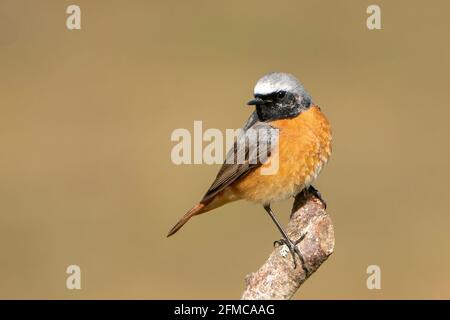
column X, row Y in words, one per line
column 281, row 94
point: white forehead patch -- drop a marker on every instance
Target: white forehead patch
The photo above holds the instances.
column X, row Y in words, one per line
column 264, row 88
column 276, row 81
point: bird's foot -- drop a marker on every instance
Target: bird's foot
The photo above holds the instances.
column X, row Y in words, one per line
column 294, row 250
column 317, row 194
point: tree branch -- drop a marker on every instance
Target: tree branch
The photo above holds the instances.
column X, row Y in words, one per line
column 277, row 278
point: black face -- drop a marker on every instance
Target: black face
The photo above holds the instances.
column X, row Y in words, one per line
column 278, row 105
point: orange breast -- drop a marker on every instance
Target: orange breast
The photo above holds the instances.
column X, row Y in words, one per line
column 304, row 148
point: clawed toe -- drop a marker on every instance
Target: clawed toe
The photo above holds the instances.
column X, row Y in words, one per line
column 301, row 238
column 294, row 250
column 317, row 194
column 278, row 243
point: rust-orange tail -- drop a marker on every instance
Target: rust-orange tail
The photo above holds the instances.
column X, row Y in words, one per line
column 197, row 209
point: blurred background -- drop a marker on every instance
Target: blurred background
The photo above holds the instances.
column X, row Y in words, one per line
column 86, row 117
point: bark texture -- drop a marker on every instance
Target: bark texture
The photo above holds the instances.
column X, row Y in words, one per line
column 277, row 278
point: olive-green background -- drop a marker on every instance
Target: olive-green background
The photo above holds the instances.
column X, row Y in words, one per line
column 86, row 118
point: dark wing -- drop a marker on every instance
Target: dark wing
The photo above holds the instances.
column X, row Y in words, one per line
column 251, row 149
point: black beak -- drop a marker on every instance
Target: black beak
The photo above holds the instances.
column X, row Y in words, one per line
column 256, row 102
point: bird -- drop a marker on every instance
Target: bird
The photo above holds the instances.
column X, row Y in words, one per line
column 299, row 138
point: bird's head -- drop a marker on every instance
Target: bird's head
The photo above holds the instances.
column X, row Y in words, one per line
column 279, row 96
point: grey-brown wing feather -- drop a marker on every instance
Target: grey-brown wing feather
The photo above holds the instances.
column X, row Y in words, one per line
column 251, row 149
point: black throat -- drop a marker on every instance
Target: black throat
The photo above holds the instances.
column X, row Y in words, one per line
column 267, row 112
column 285, row 107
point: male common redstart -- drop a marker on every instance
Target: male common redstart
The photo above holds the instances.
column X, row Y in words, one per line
column 303, row 142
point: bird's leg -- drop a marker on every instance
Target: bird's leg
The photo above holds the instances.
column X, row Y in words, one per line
column 316, row 193
column 292, row 246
